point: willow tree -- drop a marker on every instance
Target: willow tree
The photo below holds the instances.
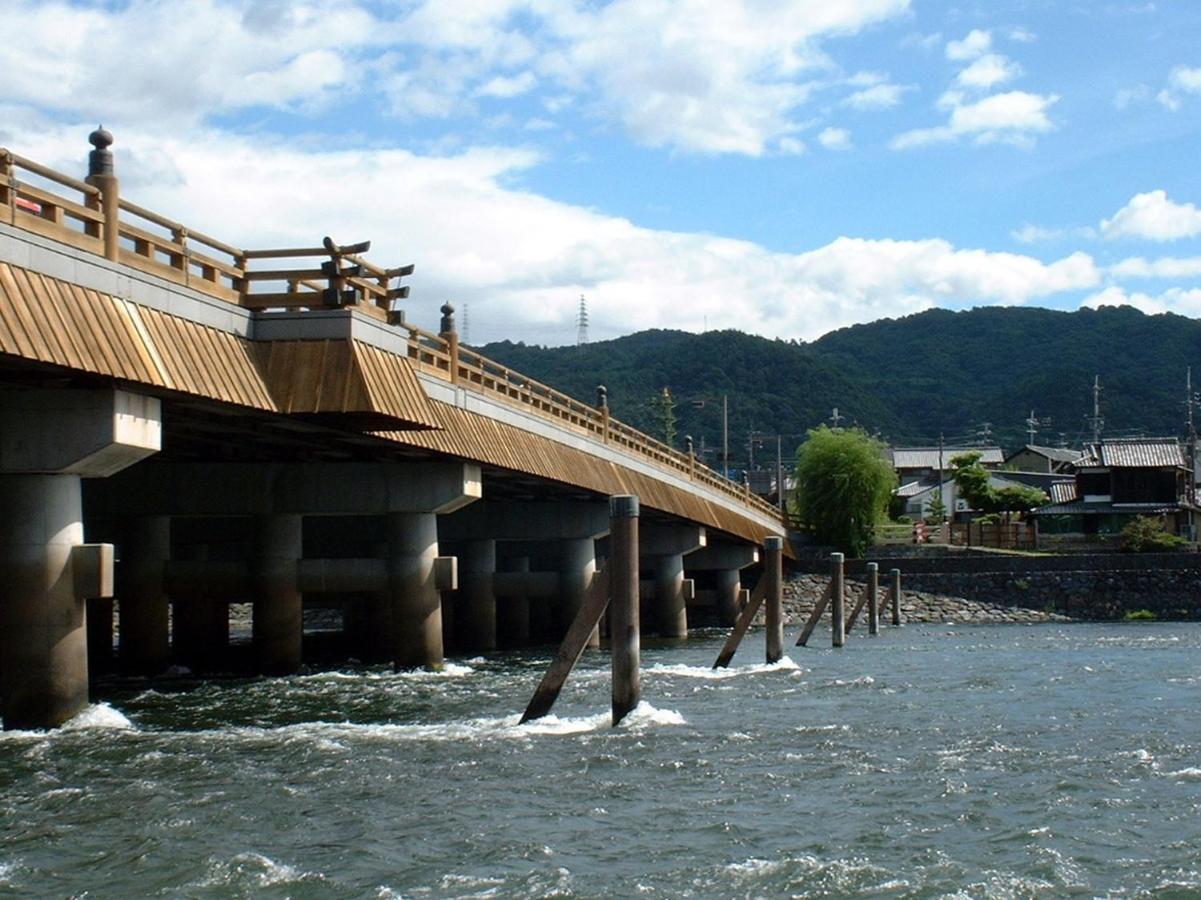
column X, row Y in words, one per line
column 844, row 483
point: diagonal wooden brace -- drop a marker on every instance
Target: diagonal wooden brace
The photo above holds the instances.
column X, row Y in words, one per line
column 743, row 623
column 596, row 600
column 814, row 617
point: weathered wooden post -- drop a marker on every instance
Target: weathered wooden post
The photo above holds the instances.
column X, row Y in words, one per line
column 623, row 609
column 837, row 608
column 873, row 604
column 773, row 554
column 102, row 176
column 894, row 595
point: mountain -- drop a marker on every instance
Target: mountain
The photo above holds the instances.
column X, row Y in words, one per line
column 908, row 379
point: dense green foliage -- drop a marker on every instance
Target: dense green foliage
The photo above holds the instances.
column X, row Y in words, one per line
column 907, row 378
column 1146, row 534
column 972, row 482
column 843, row 487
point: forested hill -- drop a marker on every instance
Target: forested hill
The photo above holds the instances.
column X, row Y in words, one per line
column 907, row 378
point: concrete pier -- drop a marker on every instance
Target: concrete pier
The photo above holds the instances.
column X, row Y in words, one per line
column 278, row 607
column 415, row 601
column 725, row 561
column 144, row 644
column 623, row 605
column 50, row 439
column 513, row 613
column 577, row 568
column 665, row 546
column 475, row 603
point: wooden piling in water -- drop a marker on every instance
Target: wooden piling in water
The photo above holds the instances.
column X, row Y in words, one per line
column 837, row 601
column 773, row 554
column 754, row 599
column 894, row 595
column 624, row 634
column 873, row 598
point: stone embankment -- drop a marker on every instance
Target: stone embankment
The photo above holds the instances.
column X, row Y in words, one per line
column 802, row 591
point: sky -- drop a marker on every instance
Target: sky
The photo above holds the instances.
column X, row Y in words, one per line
column 784, row 167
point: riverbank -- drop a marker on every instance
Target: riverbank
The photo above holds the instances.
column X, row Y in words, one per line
column 801, row 592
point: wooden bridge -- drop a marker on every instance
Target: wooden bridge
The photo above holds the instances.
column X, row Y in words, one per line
column 185, row 424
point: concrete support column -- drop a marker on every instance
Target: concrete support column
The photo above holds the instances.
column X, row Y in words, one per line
column 728, row 587
column 278, row 607
column 416, row 605
column 577, row 567
column 476, row 603
column 513, row 613
column 623, row 605
column 43, row 638
column 144, row 645
column 873, row 598
column 672, row 613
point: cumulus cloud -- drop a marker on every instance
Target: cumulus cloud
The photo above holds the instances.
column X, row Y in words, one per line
column 1013, row 117
column 835, row 139
column 1182, row 301
column 1182, row 80
column 1153, row 217
column 522, row 261
column 877, row 96
column 975, row 44
column 1033, row 234
column 1167, row 267
column 988, row 71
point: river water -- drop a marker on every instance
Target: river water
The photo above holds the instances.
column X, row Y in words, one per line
column 986, row 761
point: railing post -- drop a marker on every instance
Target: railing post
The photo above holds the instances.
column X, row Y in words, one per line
column 102, row 176
column 602, row 403
column 179, row 260
column 447, row 333
column 691, row 457
column 7, row 194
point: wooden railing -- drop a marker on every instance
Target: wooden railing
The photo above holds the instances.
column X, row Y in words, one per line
column 41, row 200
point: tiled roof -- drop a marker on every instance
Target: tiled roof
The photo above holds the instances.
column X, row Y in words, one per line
column 1062, row 491
column 1058, row 454
column 1079, row 507
column 1135, row 453
column 914, row 488
column 927, row 457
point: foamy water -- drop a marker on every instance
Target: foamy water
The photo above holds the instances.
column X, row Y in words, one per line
column 978, row 762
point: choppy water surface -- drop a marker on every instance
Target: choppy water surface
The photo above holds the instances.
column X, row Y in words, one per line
column 931, row 761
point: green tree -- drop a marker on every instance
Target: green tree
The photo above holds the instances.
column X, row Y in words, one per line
column 843, row 483
column 971, row 480
column 936, row 513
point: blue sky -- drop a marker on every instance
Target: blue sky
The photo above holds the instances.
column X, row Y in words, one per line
column 782, row 167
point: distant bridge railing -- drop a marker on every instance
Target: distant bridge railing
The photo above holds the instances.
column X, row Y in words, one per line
column 41, row 200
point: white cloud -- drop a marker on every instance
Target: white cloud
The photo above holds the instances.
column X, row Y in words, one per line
column 988, row 71
column 1032, row 234
column 878, row 96
column 975, row 44
column 1152, row 216
column 1127, row 97
column 1167, row 267
column 1014, row 117
column 508, row 86
column 1182, row 301
column 835, row 139
column 137, row 63
column 522, row 260
column 1181, row 80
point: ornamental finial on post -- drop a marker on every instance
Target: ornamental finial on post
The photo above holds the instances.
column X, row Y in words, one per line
column 100, row 160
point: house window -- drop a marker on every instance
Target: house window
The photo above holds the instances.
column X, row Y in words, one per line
column 1094, row 484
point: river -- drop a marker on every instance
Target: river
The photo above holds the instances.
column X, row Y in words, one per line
column 931, row 761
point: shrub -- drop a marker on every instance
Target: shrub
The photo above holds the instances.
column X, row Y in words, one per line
column 1140, row 615
column 1146, row 534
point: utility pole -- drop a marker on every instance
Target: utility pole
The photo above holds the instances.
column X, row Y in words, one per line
column 1095, row 420
column 779, row 474
column 941, row 499
column 725, row 436
column 581, row 323
column 836, row 418
column 1191, row 401
column 984, row 432
column 1032, row 426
